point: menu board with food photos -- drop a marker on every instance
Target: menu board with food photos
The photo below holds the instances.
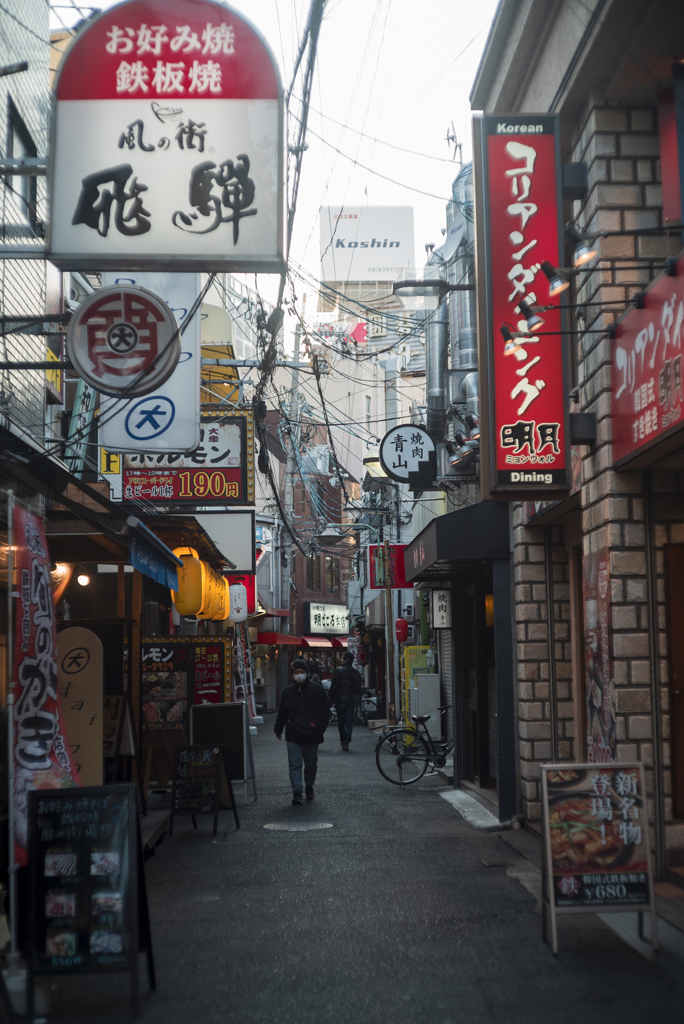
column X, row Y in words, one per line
column 180, row 671
column 597, row 853
column 88, row 903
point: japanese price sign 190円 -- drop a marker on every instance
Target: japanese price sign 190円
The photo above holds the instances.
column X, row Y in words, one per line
column 167, row 143
column 647, row 393
column 596, row 842
column 524, row 447
column 220, row 471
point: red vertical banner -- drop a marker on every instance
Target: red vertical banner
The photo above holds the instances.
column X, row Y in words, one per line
column 42, row 757
column 601, row 718
column 525, row 393
column 209, row 664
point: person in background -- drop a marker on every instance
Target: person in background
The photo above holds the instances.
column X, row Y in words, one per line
column 315, row 671
column 304, row 714
column 345, row 690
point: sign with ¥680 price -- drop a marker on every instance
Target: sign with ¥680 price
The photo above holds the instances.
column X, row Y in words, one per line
column 220, row 471
column 596, row 842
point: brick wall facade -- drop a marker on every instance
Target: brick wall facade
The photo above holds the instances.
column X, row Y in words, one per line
column 621, row 149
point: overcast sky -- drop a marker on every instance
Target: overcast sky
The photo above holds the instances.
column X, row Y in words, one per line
column 395, row 70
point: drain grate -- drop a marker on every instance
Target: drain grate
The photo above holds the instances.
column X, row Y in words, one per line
column 282, row 826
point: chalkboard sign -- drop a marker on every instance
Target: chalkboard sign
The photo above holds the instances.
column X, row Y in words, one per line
column 88, row 902
column 597, row 852
column 225, row 725
column 196, row 783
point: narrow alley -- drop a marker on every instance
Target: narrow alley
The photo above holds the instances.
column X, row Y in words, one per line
column 400, row 908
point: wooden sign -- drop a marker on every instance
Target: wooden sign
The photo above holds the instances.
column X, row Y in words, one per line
column 88, row 908
column 596, row 844
column 80, row 682
column 225, row 725
column 199, row 775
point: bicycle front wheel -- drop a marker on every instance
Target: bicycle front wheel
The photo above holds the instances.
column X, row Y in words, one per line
column 402, row 757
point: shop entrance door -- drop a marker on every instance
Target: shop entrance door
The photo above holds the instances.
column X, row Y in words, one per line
column 475, row 655
column 674, row 556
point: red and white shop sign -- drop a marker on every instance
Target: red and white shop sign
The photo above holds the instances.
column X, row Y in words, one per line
column 646, row 369
column 527, row 421
column 42, row 755
column 167, row 143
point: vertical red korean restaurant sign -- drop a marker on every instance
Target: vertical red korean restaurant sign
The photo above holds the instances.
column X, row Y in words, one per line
column 167, row 143
column 647, row 393
column 397, row 570
column 42, row 758
column 525, row 447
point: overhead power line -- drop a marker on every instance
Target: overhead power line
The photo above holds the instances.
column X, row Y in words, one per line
column 357, row 163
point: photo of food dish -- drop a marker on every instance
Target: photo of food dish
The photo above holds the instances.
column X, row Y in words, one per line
column 106, row 903
column 104, row 863
column 165, row 712
column 60, row 944
column 106, row 942
column 581, row 842
column 110, row 708
column 565, row 777
column 59, row 865
column 164, row 686
column 60, row 904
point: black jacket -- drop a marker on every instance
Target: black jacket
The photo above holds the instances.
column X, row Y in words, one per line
column 312, row 702
column 346, row 685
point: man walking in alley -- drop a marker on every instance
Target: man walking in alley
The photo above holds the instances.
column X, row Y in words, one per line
column 345, row 690
column 304, row 714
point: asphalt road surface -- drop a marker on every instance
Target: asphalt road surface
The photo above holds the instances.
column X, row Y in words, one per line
column 399, row 912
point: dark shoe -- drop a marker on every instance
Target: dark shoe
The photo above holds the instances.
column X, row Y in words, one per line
column 309, row 793
column 345, row 746
column 297, row 797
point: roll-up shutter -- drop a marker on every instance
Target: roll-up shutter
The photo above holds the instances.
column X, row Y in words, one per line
column 447, row 672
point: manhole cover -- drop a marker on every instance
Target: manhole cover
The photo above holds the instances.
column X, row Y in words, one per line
column 282, row 826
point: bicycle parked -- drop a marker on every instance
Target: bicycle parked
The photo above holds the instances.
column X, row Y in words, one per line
column 403, row 754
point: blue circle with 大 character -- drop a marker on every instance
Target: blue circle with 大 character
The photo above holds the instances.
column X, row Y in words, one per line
column 150, row 417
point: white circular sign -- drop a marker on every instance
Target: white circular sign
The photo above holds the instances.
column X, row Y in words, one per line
column 405, row 450
column 124, row 339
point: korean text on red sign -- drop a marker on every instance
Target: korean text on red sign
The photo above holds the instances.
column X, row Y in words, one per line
column 646, row 368
column 527, row 421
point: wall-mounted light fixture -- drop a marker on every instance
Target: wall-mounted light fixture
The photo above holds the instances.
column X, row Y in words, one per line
column 534, row 321
column 583, row 253
column 83, row 579
column 558, row 282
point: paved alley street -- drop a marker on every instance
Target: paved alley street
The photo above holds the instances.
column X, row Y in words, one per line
column 400, row 910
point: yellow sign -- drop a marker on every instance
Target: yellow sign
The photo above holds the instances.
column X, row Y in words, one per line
column 110, row 463
column 415, row 662
column 53, row 377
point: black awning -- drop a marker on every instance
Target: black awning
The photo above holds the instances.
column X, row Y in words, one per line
column 469, row 534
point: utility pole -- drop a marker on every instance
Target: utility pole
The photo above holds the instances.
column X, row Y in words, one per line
column 391, row 681
column 292, row 441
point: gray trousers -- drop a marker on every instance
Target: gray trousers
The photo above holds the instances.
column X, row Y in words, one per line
column 297, row 754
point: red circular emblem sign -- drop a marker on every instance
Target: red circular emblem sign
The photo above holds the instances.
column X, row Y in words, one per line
column 124, row 340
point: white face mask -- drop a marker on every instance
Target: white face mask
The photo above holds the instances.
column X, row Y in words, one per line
column 299, row 677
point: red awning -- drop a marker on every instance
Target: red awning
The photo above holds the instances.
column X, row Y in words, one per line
column 278, row 638
column 340, row 641
column 314, row 641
